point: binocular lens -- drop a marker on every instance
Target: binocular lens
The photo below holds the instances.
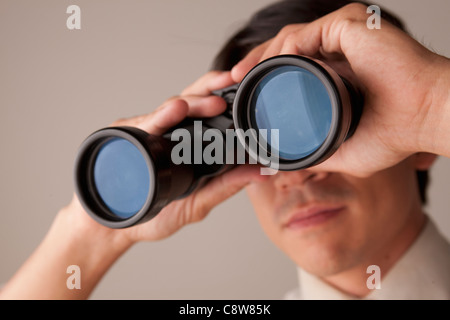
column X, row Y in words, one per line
column 294, row 101
column 303, row 101
column 124, row 176
column 121, row 177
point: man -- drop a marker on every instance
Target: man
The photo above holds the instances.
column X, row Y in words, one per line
column 360, row 208
column 335, row 225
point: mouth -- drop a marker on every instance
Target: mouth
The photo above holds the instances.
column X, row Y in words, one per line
column 312, row 215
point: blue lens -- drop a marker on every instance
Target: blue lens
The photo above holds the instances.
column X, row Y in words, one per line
column 122, row 177
column 296, row 102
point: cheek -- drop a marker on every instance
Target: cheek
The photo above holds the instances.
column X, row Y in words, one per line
column 391, row 190
column 383, row 203
column 261, row 193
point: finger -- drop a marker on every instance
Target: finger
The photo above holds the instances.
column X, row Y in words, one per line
column 223, row 187
column 264, row 51
column 209, row 82
column 164, row 118
column 203, row 107
column 359, row 156
column 330, row 31
column 308, row 39
column 173, row 111
column 251, row 59
column 136, row 121
column 287, row 34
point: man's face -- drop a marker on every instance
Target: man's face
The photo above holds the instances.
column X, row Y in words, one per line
column 330, row 222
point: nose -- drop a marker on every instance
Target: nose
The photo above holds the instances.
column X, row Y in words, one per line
column 298, row 179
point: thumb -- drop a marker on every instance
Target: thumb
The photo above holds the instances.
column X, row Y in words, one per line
column 223, row 187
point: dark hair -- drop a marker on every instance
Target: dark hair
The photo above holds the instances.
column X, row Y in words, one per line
column 267, row 22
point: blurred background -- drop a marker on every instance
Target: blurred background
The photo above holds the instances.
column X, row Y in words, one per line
column 57, row 86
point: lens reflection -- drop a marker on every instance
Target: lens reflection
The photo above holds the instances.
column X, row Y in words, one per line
column 122, row 178
column 297, row 103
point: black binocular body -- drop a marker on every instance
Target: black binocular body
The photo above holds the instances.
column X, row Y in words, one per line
column 288, row 113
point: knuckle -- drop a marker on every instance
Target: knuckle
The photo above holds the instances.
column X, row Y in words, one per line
column 291, row 37
column 208, row 76
column 166, row 103
column 185, row 91
column 212, row 74
column 133, row 121
column 119, row 122
column 201, row 85
column 168, row 100
column 354, row 11
column 199, row 211
column 289, row 33
column 286, row 30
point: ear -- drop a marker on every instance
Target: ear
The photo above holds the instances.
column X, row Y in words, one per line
column 423, row 160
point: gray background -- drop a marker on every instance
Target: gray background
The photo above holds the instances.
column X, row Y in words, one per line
column 57, row 86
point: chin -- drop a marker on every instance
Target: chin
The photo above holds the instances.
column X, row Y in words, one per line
column 322, row 259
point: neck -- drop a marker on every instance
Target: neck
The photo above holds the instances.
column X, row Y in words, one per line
column 353, row 280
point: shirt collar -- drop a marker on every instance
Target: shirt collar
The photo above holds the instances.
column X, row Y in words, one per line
column 421, row 273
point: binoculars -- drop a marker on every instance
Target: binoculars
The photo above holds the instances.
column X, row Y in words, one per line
column 289, row 113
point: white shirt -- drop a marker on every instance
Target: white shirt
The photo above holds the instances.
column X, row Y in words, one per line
column 422, row 273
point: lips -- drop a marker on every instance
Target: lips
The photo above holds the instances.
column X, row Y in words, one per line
column 312, row 215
